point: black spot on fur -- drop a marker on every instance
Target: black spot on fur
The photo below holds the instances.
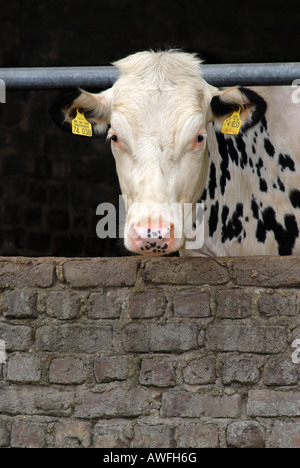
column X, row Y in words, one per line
column 259, row 165
column 232, row 151
column 280, row 184
column 233, row 227
column 225, row 213
column 225, row 174
column 242, row 149
column 213, row 219
column 264, row 123
column 286, row 162
column 269, row 147
column 295, row 198
column 212, row 181
column 263, row 186
column 260, row 232
column 254, row 208
column 285, row 236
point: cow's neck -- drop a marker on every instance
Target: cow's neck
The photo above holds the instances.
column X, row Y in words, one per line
column 244, row 184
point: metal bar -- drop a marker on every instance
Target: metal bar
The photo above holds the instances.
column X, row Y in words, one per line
column 59, row 77
column 252, row 74
column 104, row 77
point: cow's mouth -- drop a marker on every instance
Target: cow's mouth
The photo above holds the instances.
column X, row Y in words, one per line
column 151, row 240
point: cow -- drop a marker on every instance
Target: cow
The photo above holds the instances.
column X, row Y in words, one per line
column 165, row 124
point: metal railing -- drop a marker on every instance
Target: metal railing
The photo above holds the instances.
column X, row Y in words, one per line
column 103, row 77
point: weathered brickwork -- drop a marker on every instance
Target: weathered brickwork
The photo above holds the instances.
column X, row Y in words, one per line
column 137, row 352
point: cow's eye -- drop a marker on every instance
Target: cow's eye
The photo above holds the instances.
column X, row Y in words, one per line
column 114, row 138
column 199, row 138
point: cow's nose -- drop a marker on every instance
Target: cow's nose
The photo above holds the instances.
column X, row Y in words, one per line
column 152, row 240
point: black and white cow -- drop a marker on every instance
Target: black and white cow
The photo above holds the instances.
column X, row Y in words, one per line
column 165, row 125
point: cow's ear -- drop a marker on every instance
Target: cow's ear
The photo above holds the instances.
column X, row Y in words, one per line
column 253, row 107
column 96, row 109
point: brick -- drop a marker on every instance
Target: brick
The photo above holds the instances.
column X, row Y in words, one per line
column 107, row 369
column 28, row 435
column 147, row 305
column 276, row 272
column 63, row 305
column 19, row 273
column 180, row 403
column 274, row 304
column 200, row 371
column 74, row 338
column 234, row 304
column 192, row 304
column 20, row 303
column 251, row 339
column 100, row 272
column 67, row 371
column 245, row 434
column 159, row 338
column 4, row 434
column 24, row 368
column 197, row 435
column 285, row 435
column 72, row 434
column 105, row 305
column 112, row 434
column 158, row 372
column 34, row 399
column 186, row 270
column 241, row 370
column 113, row 403
column 271, row 403
column 16, row 337
column 153, row 436
column 278, row 371
column 136, row 337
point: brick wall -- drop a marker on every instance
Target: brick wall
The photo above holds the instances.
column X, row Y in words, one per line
column 134, row 352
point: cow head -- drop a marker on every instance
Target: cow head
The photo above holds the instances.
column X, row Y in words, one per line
column 158, row 115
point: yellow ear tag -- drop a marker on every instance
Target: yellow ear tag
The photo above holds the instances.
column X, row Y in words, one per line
column 232, row 124
column 80, row 126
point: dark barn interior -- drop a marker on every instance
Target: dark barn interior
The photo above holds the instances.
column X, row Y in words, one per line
column 50, row 182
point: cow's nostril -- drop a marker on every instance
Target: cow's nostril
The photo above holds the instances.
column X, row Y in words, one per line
column 149, row 240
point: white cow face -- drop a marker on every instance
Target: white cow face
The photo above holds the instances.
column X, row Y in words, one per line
column 158, row 112
column 159, row 146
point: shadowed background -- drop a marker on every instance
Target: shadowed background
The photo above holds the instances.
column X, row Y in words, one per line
column 50, row 182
